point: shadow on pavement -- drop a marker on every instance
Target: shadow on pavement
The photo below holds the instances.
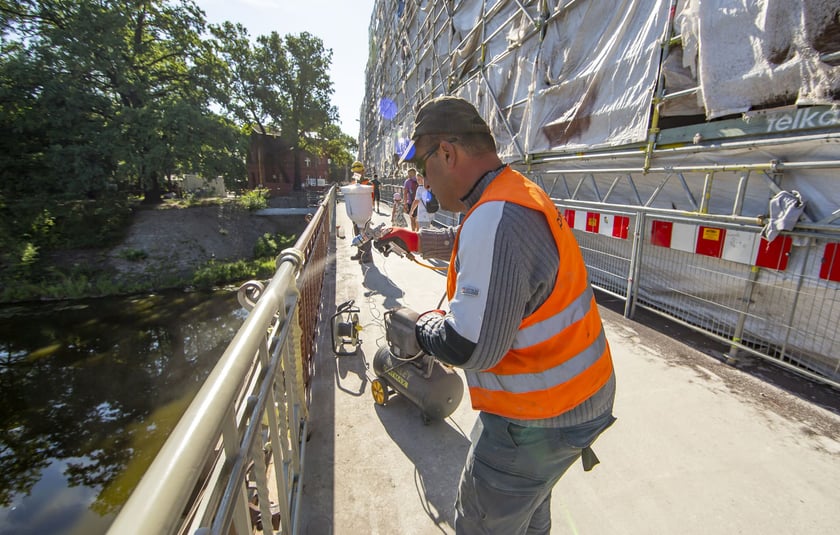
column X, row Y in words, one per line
column 436, row 450
column 378, row 282
column 355, row 364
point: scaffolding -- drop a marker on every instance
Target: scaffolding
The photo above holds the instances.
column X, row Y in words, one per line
column 685, row 115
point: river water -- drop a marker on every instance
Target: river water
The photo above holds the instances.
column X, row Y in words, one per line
column 89, row 391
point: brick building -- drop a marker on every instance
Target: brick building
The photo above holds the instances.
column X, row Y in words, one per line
column 271, row 164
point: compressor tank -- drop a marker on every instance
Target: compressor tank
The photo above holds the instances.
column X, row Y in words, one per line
column 437, row 395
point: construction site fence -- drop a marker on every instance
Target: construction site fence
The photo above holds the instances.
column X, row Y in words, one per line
column 773, row 300
column 234, row 462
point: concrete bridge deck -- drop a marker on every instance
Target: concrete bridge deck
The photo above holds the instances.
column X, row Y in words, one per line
column 699, row 447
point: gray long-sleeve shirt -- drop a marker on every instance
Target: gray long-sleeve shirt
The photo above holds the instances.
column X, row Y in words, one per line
column 507, row 264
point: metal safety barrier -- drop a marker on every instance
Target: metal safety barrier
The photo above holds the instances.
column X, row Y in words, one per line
column 777, row 300
column 234, row 462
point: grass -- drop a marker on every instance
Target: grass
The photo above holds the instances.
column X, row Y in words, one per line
column 217, row 273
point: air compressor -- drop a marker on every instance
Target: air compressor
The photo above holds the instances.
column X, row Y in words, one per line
column 403, row 368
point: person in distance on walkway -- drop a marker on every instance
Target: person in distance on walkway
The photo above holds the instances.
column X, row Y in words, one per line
column 397, row 212
column 377, row 194
column 409, row 191
column 364, row 255
column 522, row 323
column 418, row 207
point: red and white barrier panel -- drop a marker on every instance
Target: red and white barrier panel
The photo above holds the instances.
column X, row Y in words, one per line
column 729, row 244
column 830, row 265
column 614, row 226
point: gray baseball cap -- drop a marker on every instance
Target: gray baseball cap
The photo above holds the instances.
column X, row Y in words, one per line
column 445, row 115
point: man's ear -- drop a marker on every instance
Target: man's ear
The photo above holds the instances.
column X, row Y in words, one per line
column 448, row 152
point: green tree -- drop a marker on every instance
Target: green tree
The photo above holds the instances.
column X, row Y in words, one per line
column 308, row 91
column 248, row 96
column 138, row 73
column 99, row 99
column 282, row 86
column 337, row 146
column 55, row 144
column 48, row 112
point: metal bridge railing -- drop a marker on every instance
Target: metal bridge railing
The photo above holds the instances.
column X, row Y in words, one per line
column 241, row 443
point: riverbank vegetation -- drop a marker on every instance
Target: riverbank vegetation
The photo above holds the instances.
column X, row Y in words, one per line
column 92, row 275
column 90, row 281
column 104, row 105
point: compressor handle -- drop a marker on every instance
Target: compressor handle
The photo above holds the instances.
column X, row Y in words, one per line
column 346, row 306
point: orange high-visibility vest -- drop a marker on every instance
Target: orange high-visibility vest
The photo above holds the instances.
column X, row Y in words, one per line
column 560, row 356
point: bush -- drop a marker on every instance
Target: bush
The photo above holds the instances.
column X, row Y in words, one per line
column 255, row 199
column 269, row 246
column 217, row 273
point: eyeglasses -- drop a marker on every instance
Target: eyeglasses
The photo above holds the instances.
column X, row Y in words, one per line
column 420, row 163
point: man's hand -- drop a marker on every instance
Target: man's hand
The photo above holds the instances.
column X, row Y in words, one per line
column 396, row 239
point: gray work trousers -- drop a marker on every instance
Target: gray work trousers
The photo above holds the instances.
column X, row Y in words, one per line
column 510, row 470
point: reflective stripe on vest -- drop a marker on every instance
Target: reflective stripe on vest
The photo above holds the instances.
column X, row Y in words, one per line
column 525, row 382
column 545, row 329
column 560, row 355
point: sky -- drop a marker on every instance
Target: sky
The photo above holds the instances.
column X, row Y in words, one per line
column 341, row 24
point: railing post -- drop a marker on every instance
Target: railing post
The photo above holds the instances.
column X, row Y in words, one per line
column 259, row 474
column 732, row 358
column 635, row 265
column 279, row 453
column 800, row 280
column 707, row 192
column 230, row 440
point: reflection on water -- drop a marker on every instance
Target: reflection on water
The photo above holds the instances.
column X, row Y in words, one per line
column 89, row 391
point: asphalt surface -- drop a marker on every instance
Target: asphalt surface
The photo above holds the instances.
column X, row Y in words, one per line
column 699, row 447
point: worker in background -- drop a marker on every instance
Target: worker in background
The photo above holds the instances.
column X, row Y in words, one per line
column 409, row 191
column 377, row 194
column 364, row 254
column 522, row 323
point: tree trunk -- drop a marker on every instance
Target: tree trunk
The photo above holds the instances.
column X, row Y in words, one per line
column 151, row 193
